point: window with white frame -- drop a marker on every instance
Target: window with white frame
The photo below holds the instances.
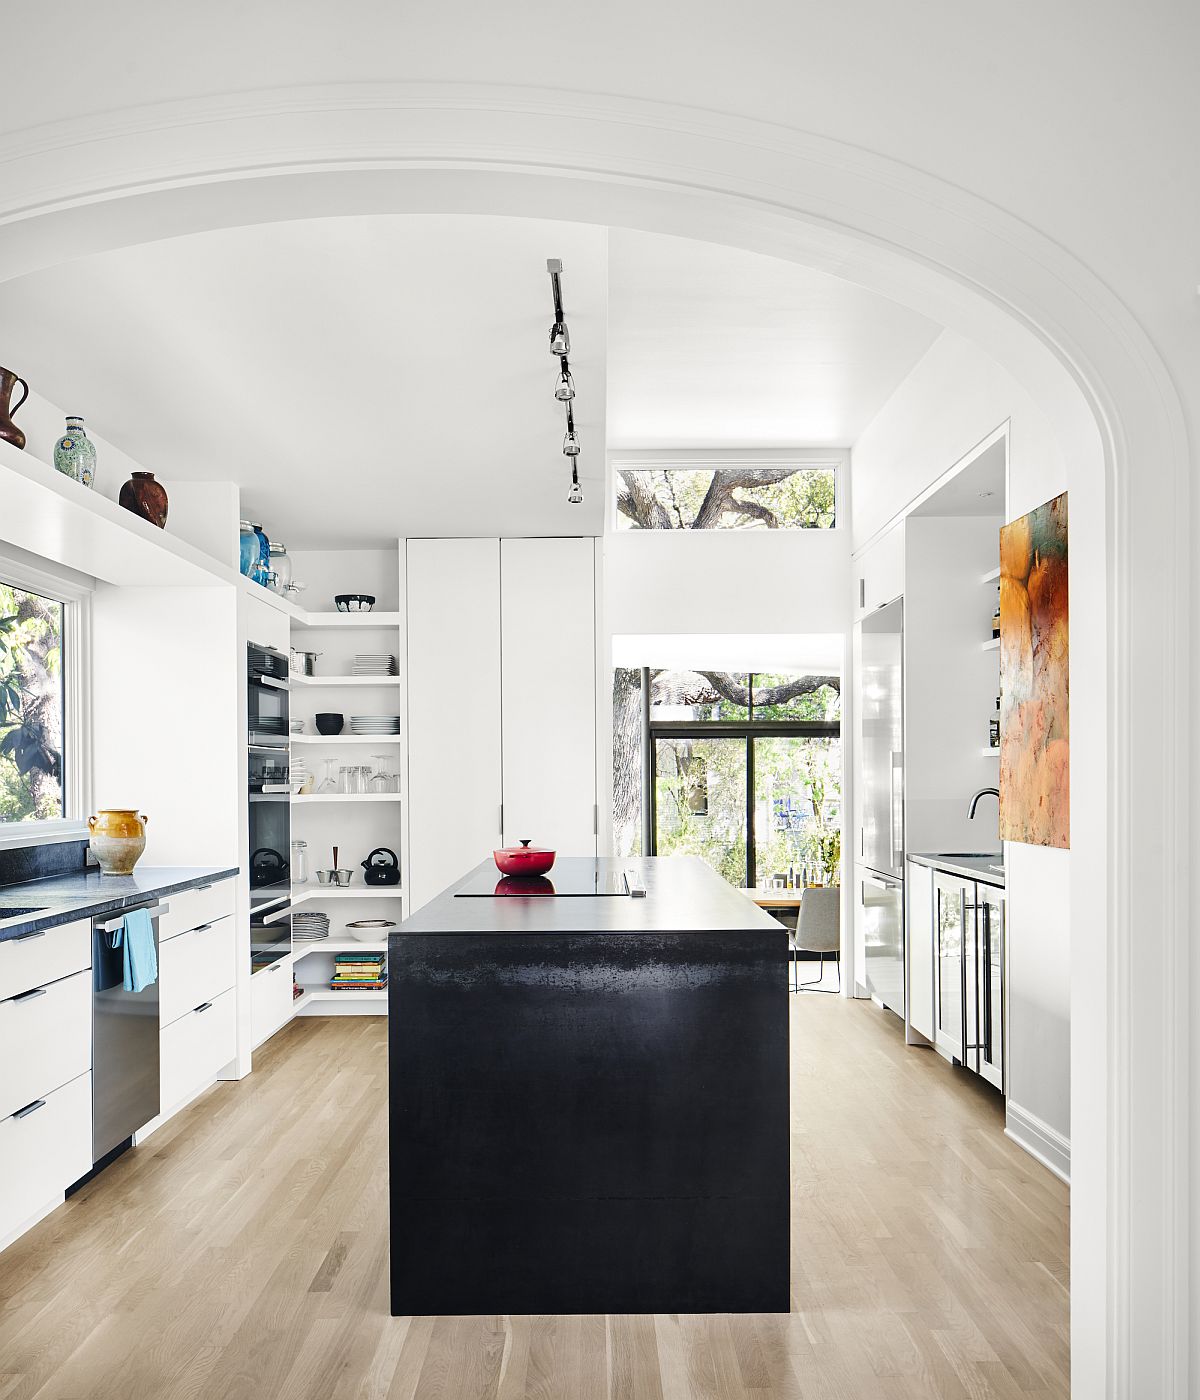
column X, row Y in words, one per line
column 755, row 492
column 43, row 622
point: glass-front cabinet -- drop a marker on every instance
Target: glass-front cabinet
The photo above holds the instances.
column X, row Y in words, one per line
column 969, row 960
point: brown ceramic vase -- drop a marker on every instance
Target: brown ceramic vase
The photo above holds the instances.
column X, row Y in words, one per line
column 118, row 838
column 9, row 432
column 146, row 497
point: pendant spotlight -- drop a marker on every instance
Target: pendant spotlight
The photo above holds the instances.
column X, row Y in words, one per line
column 564, row 385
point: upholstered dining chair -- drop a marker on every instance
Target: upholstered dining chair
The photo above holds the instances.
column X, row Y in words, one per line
column 819, row 930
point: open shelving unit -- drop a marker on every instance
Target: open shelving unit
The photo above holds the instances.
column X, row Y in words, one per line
column 355, row 822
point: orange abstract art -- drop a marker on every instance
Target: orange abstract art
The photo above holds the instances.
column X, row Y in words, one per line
column 1035, row 719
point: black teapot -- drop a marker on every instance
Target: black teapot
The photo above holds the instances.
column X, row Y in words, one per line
column 382, row 867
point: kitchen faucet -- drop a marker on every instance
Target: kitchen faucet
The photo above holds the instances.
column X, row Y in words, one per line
column 983, row 792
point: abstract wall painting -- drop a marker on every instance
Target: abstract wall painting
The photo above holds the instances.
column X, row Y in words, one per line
column 1035, row 732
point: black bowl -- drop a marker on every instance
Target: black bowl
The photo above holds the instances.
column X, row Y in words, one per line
column 354, row 602
column 329, row 724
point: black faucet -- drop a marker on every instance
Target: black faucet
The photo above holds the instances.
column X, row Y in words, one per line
column 983, row 792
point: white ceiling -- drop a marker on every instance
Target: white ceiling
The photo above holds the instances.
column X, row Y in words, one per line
column 366, row 378
column 360, row 378
column 978, row 489
column 715, row 347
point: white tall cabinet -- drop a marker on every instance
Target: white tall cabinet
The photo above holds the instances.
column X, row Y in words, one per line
column 548, row 693
column 501, row 692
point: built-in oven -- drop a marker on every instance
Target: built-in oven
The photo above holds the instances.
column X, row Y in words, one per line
column 269, row 801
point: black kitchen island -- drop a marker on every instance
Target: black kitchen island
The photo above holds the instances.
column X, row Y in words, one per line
column 589, row 1096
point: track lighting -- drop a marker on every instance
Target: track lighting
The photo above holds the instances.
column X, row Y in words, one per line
column 564, row 386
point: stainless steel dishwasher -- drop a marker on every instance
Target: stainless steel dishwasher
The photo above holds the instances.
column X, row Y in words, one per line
column 124, row 1039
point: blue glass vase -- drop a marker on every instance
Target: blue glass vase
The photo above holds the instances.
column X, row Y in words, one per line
column 249, row 548
column 262, row 565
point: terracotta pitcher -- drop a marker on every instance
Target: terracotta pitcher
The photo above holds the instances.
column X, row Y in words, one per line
column 9, row 432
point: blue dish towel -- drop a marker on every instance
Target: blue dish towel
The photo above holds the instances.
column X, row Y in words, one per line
column 141, row 961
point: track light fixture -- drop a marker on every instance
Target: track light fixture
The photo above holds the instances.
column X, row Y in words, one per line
column 564, row 385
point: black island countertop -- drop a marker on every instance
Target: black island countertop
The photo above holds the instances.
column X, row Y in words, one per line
column 60, row 899
column 589, row 1098
column 683, row 895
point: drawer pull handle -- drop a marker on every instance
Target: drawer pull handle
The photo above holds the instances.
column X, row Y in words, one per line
column 274, row 967
column 200, row 928
column 35, row 933
column 30, row 1108
column 29, row 996
column 204, row 1005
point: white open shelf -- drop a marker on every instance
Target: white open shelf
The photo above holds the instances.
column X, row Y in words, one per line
column 992, row 577
column 322, row 993
column 302, row 894
column 989, row 752
column 348, row 797
column 344, row 738
column 993, row 644
column 334, row 621
column 303, row 947
column 345, row 680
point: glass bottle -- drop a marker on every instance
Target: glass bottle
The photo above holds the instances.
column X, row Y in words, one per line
column 262, row 565
column 281, row 567
column 299, row 862
column 249, row 547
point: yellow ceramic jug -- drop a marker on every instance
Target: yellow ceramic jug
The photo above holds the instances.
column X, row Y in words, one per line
column 118, row 839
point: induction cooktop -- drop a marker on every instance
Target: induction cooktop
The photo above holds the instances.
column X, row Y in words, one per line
column 568, row 879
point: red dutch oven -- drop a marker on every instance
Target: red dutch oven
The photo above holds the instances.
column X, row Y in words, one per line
column 523, row 859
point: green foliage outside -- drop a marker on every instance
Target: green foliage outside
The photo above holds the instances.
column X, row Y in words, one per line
column 31, row 706
column 804, row 500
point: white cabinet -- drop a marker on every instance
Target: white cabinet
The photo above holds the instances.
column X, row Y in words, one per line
column 33, row 959
column 195, row 967
column 270, row 999
column 500, row 670
column 190, row 909
column 919, row 943
column 44, row 1147
column 45, row 1039
column 453, row 676
column 548, row 693
column 196, row 1047
column 879, row 572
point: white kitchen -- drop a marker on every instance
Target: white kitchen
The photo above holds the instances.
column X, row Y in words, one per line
column 367, row 573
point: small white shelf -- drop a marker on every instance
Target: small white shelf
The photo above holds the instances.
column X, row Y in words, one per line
column 302, row 894
column 303, row 947
column 990, row 752
column 334, row 621
column 324, row 994
column 992, row 644
column 344, row 739
column 344, row 680
column 349, row 797
column 992, row 577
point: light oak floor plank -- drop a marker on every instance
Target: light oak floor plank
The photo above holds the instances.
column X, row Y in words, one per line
column 241, row 1254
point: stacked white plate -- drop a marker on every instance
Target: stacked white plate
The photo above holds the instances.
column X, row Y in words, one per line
column 374, row 724
column 309, row 924
column 375, row 663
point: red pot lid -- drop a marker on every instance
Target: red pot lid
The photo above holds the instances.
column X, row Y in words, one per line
column 525, row 849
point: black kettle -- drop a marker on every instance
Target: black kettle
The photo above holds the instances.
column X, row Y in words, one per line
column 267, row 867
column 382, row 867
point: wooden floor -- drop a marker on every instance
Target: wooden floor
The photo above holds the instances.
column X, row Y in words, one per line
column 241, row 1252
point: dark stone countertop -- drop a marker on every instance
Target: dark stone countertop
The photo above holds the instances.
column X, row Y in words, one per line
column 971, row 866
column 683, row 895
column 63, row 898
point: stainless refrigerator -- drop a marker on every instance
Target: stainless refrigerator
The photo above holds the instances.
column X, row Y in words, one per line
column 881, row 839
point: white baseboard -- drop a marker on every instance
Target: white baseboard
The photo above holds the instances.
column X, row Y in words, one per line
column 1039, row 1139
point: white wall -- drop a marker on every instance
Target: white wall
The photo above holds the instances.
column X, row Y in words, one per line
column 953, row 399
column 331, row 571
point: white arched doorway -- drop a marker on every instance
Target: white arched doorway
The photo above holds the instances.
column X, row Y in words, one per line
column 181, row 168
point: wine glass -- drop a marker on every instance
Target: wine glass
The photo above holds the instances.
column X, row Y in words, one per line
column 328, row 782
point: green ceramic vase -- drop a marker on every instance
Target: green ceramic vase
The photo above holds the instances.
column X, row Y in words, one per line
column 75, row 454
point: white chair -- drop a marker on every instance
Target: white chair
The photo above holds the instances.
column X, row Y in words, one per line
column 818, row 930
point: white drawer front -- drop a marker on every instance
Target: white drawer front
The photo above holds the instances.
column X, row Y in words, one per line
column 193, row 967
column 195, row 1048
column 45, row 1040
column 191, row 908
column 44, row 1151
column 270, row 999
column 44, row 956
